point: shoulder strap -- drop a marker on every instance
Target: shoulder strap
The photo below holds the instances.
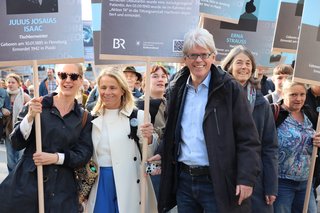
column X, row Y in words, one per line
column 134, row 129
column 275, row 109
column 84, row 118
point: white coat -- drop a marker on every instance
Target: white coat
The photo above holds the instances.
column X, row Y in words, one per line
column 126, row 162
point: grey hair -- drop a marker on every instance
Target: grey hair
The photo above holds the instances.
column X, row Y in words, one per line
column 228, row 60
column 226, row 63
column 199, row 37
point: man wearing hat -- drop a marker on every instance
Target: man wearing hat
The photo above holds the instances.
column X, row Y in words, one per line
column 132, row 77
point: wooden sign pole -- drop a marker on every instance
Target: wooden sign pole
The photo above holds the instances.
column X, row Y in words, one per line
column 201, row 21
column 143, row 177
column 38, row 139
column 311, row 171
column 94, row 71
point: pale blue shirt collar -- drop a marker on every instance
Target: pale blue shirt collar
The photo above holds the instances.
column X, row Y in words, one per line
column 205, row 82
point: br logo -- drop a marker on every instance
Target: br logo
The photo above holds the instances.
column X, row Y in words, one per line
column 118, row 43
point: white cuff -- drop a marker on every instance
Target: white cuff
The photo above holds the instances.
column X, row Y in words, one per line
column 25, row 127
column 154, row 145
column 61, row 159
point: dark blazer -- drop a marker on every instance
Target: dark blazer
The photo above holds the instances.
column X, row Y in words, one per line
column 267, row 183
column 231, row 137
column 18, row 191
column 31, row 6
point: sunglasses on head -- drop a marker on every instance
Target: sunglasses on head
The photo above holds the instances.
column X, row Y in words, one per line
column 64, row 75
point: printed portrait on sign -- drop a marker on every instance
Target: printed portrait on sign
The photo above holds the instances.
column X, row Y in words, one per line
column 31, row 6
column 87, row 36
column 247, row 21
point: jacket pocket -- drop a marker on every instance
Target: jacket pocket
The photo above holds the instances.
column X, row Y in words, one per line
column 213, row 118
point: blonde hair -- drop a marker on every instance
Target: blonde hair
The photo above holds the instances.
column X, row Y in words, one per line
column 127, row 100
column 288, row 84
column 31, row 87
column 15, row 77
column 59, row 68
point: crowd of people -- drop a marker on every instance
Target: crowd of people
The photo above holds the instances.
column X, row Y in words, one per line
column 223, row 136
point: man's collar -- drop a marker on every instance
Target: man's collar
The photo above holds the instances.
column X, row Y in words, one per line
column 205, row 82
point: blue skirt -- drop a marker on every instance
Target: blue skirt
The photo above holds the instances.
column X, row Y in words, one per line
column 106, row 200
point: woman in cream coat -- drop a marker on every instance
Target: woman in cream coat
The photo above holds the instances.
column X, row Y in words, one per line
column 118, row 186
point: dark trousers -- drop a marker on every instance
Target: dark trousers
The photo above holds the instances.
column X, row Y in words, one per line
column 195, row 194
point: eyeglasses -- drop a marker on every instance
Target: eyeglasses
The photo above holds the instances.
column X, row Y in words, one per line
column 202, row 56
column 64, row 75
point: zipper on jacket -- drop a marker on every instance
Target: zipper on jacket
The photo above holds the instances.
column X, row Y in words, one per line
column 178, row 150
column 216, row 117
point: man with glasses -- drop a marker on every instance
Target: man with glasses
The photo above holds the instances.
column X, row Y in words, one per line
column 210, row 154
